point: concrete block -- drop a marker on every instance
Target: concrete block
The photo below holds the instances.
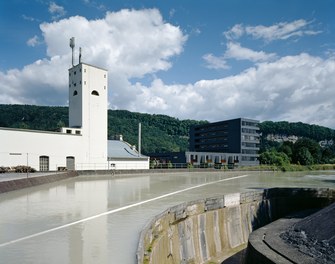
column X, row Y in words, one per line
column 232, row 199
column 195, row 208
column 214, row 203
column 179, row 211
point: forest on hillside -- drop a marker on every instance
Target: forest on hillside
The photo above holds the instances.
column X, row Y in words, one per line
column 298, row 129
column 160, row 133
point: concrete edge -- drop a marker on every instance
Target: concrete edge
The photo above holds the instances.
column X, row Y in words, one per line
column 17, row 184
column 275, row 198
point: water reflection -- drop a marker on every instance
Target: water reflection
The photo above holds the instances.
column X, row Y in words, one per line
column 112, row 238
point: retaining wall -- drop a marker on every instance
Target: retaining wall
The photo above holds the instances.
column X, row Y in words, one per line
column 213, row 229
column 12, row 185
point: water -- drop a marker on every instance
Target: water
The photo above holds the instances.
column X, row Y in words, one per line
column 98, row 219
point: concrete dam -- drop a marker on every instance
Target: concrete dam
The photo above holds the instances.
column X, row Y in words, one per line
column 213, row 229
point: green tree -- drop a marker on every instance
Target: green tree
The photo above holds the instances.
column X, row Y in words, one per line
column 327, row 155
column 273, row 157
column 313, row 148
column 286, row 147
column 304, row 157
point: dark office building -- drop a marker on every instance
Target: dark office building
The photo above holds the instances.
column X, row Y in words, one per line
column 239, row 136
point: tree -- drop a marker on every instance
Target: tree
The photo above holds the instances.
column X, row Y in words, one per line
column 304, row 157
column 313, row 148
column 286, row 148
column 273, row 157
column 327, row 155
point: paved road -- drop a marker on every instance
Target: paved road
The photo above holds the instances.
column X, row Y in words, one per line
column 97, row 219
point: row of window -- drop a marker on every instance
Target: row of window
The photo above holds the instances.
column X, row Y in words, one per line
column 208, row 140
column 250, row 138
column 45, row 161
column 208, row 128
column 249, row 158
column 212, row 158
column 249, row 130
column 249, row 151
column 250, row 145
column 248, row 123
column 211, row 134
column 94, row 92
column 75, row 72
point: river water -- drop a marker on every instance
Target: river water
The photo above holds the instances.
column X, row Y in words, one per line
column 98, row 219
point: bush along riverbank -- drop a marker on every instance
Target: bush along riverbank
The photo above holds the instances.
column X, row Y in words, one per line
column 289, row 167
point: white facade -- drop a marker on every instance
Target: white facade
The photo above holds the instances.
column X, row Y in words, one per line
column 123, row 156
column 82, row 145
column 42, row 151
column 88, row 109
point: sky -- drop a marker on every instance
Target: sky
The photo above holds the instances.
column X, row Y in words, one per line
column 190, row 59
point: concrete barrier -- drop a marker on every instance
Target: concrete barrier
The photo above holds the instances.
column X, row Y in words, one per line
column 12, row 185
column 213, row 229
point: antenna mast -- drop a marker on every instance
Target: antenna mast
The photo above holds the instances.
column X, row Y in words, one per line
column 139, row 139
column 72, row 47
column 79, row 55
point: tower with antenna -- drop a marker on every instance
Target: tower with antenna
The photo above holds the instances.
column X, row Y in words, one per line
column 88, row 90
column 72, row 45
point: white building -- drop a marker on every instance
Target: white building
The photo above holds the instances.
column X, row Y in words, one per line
column 81, row 146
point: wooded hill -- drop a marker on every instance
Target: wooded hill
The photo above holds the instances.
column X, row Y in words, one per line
column 315, row 132
column 160, row 133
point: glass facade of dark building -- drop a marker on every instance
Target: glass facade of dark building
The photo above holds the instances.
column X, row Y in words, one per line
column 239, row 136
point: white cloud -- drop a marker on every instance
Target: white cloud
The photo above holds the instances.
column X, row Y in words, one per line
column 128, row 43
column 293, row 88
column 235, row 51
column 279, row 31
column 57, row 11
column 135, row 43
column 235, row 32
column 34, row 41
column 29, row 18
column 213, row 62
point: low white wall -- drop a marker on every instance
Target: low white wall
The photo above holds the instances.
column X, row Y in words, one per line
column 130, row 165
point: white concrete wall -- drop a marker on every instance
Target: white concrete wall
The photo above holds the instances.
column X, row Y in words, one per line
column 129, row 164
column 89, row 111
column 24, row 147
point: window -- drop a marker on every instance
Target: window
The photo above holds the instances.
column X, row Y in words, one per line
column 94, row 92
column 68, row 131
column 44, row 163
column 75, row 93
column 77, row 132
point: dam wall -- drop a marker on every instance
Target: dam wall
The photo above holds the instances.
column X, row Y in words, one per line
column 211, row 230
column 12, row 185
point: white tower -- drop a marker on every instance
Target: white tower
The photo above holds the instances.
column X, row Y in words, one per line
column 88, row 111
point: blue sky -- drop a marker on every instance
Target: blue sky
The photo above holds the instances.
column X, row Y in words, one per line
column 204, row 60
